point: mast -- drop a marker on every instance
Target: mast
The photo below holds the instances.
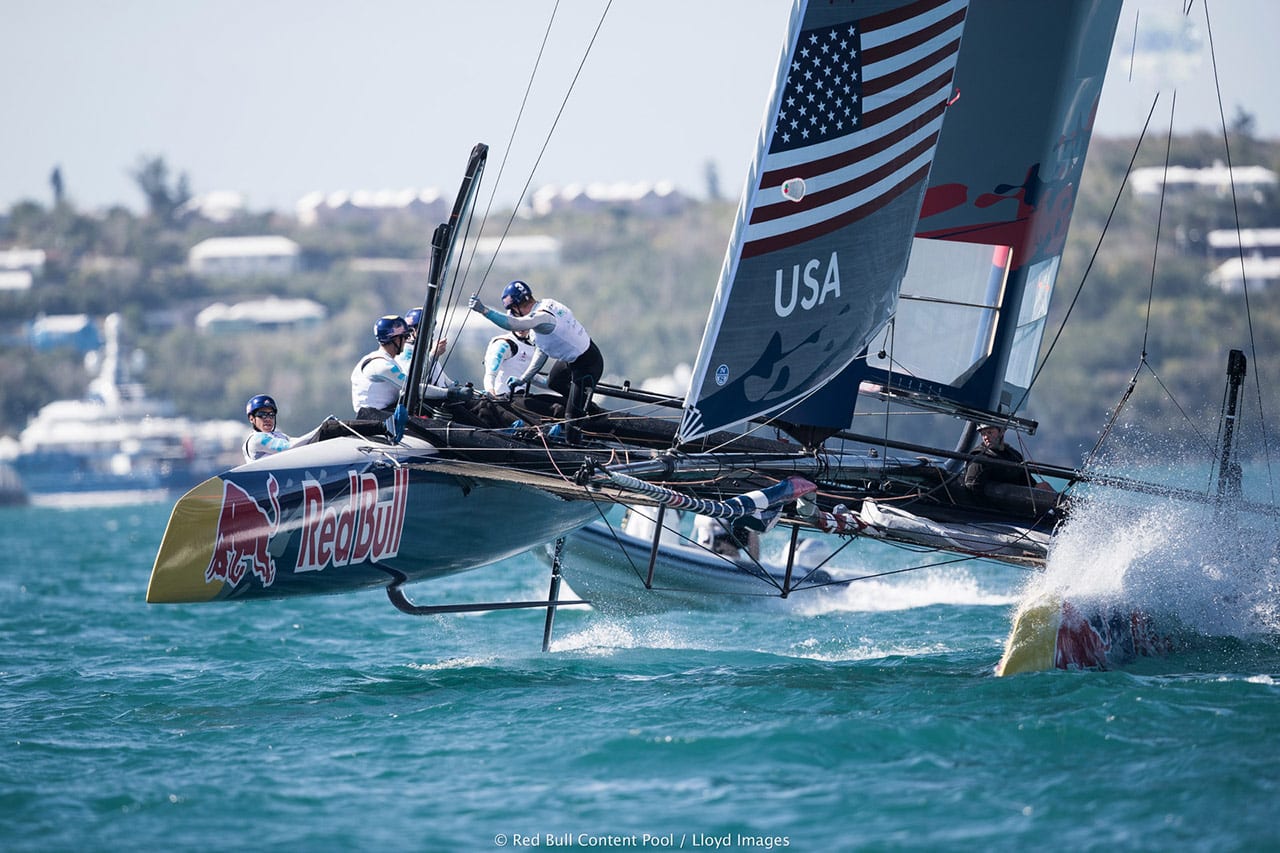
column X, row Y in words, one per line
column 1229, row 474
column 445, row 246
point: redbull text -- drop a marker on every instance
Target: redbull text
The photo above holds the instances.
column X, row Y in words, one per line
column 244, row 532
column 357, row 530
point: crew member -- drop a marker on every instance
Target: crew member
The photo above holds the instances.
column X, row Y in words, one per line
column 556, row 334
column 379, row 376
column 978, row 473
column 261, row 410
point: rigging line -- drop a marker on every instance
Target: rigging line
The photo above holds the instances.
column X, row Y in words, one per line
column 885, row 574
column 1244, row 279
column 1133, row 48
column 1092, row 259
column 453, row 290
column 1185, row 416
column 547, row 141
column 1155, row 248
column 515, row 126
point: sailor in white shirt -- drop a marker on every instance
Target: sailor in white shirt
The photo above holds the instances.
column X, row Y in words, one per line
column 556, row 334
column 261, row 410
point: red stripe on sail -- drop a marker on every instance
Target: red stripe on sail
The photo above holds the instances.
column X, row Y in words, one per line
column 801, row 235
column 781, row 210
column 847, row 158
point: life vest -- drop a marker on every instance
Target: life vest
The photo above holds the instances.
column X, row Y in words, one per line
column 568, row 339
column 377, row 389
column 498, row 368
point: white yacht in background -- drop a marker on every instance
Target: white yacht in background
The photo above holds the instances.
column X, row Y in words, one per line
column 116, row 445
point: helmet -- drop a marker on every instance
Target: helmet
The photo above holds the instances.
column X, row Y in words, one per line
column 262, row 401
column 412, row 317
column 388, row 327
column 515, row 293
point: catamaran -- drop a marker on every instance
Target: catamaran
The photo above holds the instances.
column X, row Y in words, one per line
column 896, row 246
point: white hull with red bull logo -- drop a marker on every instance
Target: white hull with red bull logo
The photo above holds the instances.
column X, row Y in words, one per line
column 347, row 514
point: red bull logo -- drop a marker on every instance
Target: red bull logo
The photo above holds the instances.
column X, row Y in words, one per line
column 360, row 529
column 244, row 533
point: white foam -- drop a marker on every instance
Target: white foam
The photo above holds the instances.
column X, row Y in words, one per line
column 1216, row 570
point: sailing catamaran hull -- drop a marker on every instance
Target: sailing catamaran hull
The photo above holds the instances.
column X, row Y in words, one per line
column 347, row 514
column 1050, row 632
column 609, row 567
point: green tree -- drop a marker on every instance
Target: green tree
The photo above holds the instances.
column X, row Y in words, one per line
column 163, row 200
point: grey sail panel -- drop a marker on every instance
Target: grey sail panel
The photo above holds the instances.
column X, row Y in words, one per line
column 999, row 202
column 824, row 228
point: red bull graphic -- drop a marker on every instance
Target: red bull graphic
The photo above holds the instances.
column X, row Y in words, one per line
column 1106, row 638
column 244, row 532
column 358, row 529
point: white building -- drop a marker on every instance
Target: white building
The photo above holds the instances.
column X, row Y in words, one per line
column 19, row 268
column 244, row 257
column 336, row 208
column 1227, row 243
column 648, row 199
column 216, row 206
column 260, row 314
column 1261, row 273
column 1249, row 181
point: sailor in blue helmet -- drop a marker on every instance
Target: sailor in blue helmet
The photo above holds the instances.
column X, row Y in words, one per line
column 556, row 334
column 261, row 410
column 378, row 376
column 412, row 319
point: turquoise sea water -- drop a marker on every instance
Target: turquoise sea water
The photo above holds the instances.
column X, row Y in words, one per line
column 868, row 719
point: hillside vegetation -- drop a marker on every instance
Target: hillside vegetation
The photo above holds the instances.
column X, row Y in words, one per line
column 642, row 286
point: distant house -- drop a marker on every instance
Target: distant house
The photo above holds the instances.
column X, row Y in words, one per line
column 19, row 268
column 1228, row 243
column 217, row 206
column 1217, row 180
column 64, row 330
column 1261, row 274
column 337, row 208
column 243, row 257
column 648, row 199
column 259, row 314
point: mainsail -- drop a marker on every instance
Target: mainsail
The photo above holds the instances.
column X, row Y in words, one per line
column 973, row 304
column 823, row 232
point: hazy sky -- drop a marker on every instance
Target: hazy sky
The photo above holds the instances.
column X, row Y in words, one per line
column 277, row 98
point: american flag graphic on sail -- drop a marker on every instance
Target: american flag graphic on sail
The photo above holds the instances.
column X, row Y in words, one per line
column 856, row 123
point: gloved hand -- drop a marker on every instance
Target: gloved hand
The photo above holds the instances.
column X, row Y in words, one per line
column 515, row 384
column 476, row 305
column 459, row 393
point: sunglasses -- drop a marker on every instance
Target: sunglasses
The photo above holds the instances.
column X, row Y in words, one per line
column 264, row 413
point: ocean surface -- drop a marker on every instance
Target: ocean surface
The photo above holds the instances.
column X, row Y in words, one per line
column 866, row 718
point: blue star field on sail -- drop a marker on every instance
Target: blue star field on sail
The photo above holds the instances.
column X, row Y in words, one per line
column 824, row 230
column 823, row 96
column 857, row 122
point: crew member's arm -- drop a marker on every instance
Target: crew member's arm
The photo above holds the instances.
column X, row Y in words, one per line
column 541, row 322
